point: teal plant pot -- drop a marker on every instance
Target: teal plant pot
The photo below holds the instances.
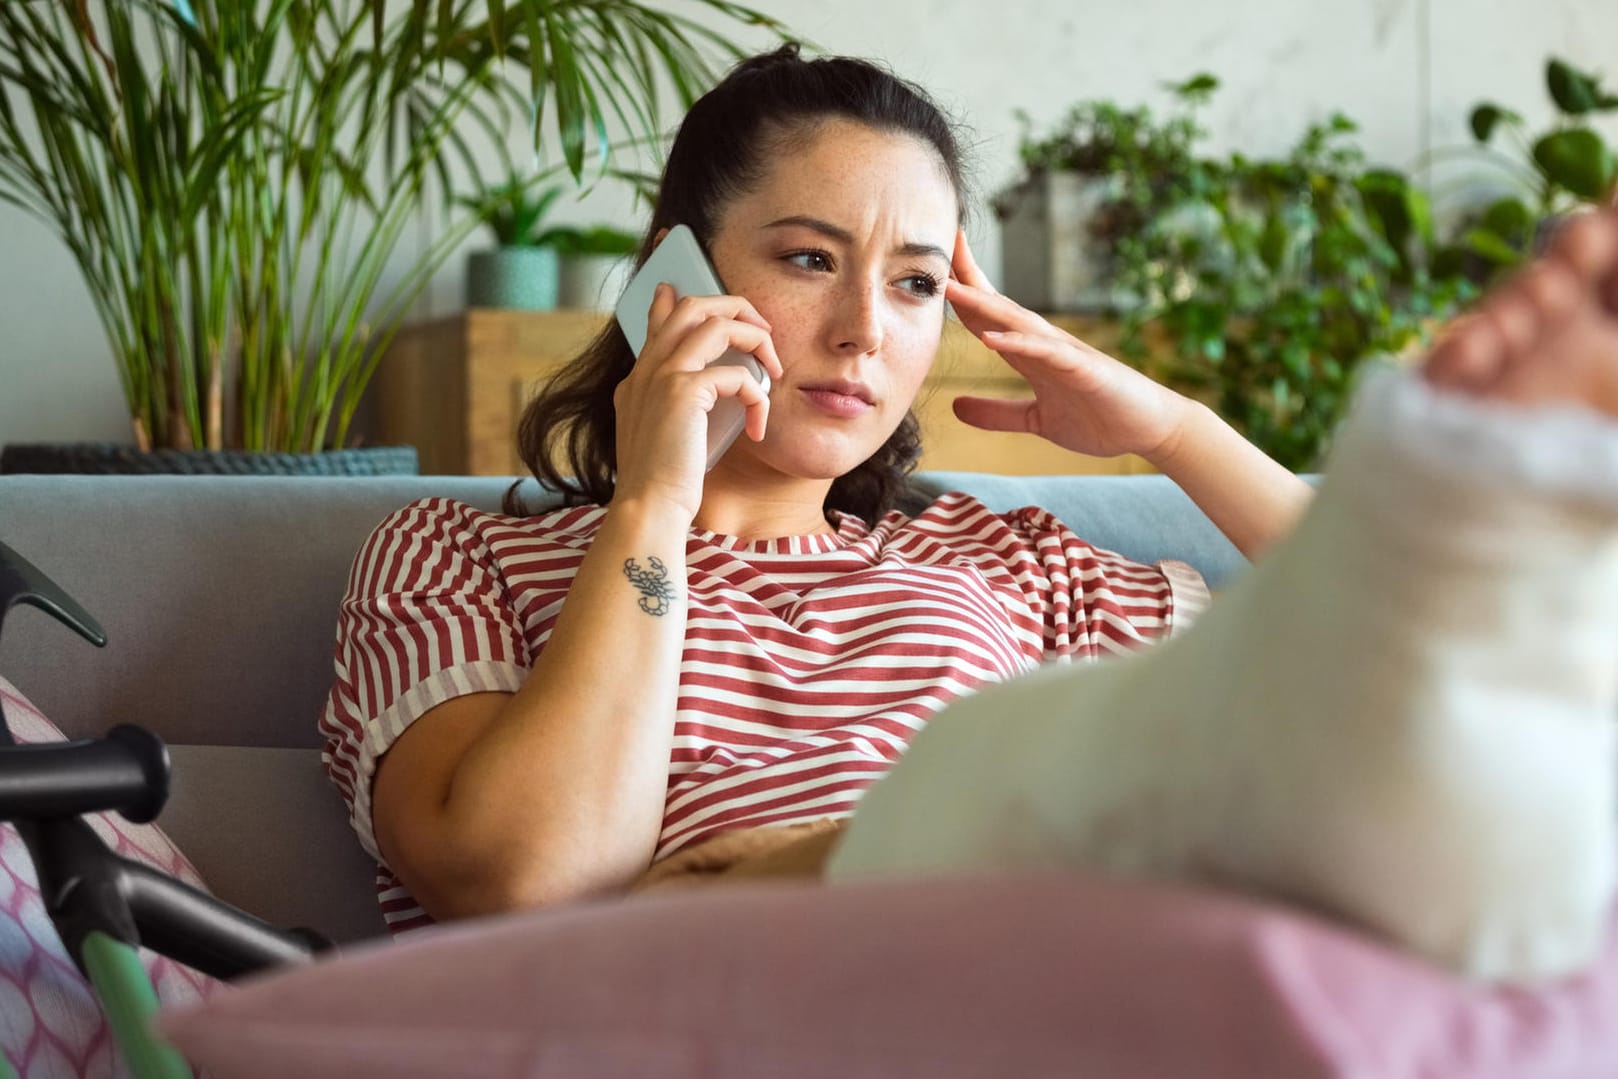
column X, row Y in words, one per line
column 520, row 278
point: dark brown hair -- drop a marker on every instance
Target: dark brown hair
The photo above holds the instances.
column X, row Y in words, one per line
column 722, row 150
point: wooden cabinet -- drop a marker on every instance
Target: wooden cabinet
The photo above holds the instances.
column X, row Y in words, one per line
column 455, row 388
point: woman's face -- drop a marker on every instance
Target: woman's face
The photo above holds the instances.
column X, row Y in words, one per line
column 844, row 249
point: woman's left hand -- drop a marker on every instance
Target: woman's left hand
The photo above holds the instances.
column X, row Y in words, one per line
column 1084, row 400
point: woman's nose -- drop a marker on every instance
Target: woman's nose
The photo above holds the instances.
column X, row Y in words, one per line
column 857, row 326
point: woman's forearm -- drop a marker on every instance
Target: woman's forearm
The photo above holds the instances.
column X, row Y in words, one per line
column 564, row 791
column 1253, row 500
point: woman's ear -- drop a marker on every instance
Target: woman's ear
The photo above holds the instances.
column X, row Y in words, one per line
column 658, row 239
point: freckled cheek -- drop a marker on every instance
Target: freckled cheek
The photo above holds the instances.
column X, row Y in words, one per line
column 785, row 312
column 792, row 324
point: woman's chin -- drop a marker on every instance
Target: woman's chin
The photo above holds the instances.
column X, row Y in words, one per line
column 813, row 458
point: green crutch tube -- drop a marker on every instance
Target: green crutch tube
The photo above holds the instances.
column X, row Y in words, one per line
column 127, row 996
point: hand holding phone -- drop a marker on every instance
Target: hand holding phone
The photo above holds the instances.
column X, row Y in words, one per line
column 679, row 261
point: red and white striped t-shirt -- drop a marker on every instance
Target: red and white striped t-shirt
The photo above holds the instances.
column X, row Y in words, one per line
column 809, row 664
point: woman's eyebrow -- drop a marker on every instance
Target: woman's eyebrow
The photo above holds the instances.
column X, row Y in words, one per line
column 841, row 235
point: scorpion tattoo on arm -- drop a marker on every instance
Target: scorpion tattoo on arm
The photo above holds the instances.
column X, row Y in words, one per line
column 653, row 584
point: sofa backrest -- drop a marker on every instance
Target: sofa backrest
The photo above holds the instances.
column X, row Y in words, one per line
column 219, row 595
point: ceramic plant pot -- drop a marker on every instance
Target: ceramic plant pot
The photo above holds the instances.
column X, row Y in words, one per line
column 593, row 282
column 518, row 278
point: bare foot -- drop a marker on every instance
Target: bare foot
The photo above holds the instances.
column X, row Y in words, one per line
column 1550, row 334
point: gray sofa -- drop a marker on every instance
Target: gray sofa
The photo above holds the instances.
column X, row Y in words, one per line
column 219, row 598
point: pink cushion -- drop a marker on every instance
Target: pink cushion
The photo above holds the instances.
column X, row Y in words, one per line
column 1028, row 975
column 50, row 1023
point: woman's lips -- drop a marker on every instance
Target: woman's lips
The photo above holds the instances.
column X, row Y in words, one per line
column 833, row 403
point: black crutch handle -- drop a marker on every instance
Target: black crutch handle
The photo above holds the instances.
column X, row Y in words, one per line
column 126, row 771
column 23, row 582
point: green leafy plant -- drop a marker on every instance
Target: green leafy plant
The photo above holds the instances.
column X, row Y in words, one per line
column 1271, row 281
column 516, row 214
column 1152, row 160
column 1556, row 171
column 593, row 240
column 232, row 176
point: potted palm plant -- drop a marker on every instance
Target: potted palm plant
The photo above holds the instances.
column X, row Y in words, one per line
column 233, row 176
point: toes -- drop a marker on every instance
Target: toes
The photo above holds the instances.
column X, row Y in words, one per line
column 1469, row 355
column 1552, row 288
column 1589, row 243
column 1543, row 295
column 1538, row 338
column 1515, row 319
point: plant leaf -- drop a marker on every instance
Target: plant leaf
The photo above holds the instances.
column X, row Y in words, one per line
column 446, row 26
column 572, row 112
column 497, row 26
column 1510, row 219
column 1273, row 241
column 1487, row 116
column 1492, row 247
column 1386, row 195
column 1578, row 160
column 1420, row 208
column 1574, row 92
column 1198, row 87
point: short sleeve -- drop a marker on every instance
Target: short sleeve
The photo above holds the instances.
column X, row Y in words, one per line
column 426, row 618
column 1096, row 602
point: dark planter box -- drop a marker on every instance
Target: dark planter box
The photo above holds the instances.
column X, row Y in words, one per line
column 110, row 458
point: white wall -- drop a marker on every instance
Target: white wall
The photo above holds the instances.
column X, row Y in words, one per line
column 1407, row 70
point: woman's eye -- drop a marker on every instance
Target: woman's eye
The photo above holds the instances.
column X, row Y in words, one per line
column 922, row 284
column 810, row 260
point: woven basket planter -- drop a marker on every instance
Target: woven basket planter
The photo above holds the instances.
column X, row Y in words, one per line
column 113, row 459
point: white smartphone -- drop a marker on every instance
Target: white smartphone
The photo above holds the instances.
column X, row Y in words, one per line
column 680, row 261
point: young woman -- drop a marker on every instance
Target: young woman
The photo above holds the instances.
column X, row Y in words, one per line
column 688, row 674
